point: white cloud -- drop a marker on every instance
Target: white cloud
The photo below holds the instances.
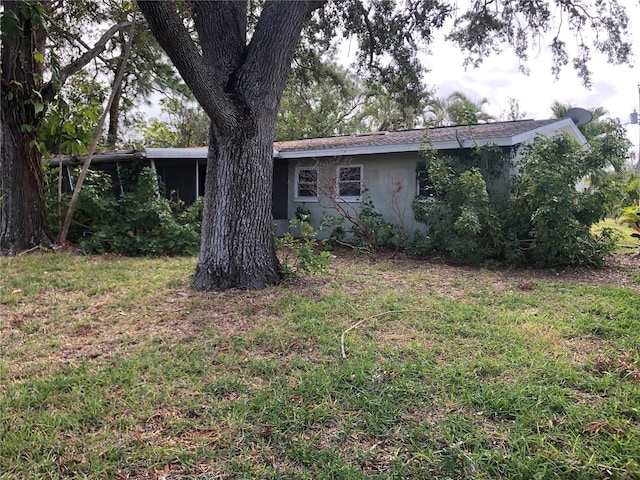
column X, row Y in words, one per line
column 614, row 87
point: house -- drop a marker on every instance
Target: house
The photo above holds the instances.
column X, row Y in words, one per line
column 327, row 174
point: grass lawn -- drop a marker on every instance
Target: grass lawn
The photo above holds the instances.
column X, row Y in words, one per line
column 114, row 368
column 626, row 243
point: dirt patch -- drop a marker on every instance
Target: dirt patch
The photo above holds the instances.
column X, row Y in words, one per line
column 617, row 271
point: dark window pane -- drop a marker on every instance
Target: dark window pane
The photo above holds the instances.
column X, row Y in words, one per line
column 349, row 189
column 307, row 183
column 350, row 182
column 349, row 174
column 307, row 191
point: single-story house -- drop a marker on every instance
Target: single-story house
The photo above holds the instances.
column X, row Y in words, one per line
column 324, row 174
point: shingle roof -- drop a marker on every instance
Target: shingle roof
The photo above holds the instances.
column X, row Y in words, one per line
column 462, row 136
column 458, row 134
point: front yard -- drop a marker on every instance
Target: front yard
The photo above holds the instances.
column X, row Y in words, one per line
column 113, row 368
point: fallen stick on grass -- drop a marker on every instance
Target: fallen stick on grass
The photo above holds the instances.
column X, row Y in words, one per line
column 360, row 322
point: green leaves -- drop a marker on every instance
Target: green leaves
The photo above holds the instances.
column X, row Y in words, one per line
column 38, row 57
column 137, row 223
column 10, row 24
column 38, row 107
column 70, row 123
column 544, row 222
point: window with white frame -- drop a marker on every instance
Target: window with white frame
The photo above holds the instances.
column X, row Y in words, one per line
column 349, row 183
column 306, row 184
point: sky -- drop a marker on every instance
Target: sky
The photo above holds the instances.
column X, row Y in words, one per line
column 616, row 88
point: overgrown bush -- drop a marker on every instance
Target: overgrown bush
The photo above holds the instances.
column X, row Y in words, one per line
column 548, row 217
column 463, row 221
column 539, row 218
column 140, row 222
column 299, row 254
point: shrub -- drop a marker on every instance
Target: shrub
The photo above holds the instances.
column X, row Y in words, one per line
column 140, row 222
column 463, row 222
column 550, row 219
column 299, row 254
column 540, row 219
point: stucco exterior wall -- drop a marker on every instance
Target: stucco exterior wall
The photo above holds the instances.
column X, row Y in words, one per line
column 390, row 181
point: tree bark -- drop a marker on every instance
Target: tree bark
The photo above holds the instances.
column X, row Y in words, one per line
column 237, row 248
column 24, row 223
column 239, row 86
column 114, row 118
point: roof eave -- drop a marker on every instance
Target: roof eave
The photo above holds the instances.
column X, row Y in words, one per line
column 565, row 125
column 176, row 152
column 97, row 158
column 398, row 148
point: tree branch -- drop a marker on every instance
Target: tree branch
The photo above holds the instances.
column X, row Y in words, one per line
column 168, row 28
column 99, row 47
column 222, row 32
column 271, row 50
column 367, row 22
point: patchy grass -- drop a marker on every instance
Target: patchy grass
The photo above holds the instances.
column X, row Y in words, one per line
column 626, row 243
column 114, row 368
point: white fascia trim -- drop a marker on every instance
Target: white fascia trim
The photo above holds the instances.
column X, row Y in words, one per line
column 196, row 152
column 565, row 125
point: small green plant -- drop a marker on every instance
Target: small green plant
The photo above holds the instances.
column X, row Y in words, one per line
column 299, row 254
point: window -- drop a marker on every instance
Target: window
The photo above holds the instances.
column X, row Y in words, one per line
column 349, row 185
column 306, row 184
column 425, row 188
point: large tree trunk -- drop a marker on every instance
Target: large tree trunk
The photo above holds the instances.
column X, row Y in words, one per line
column 237, row 246
column 239, row 85
column 24, row 223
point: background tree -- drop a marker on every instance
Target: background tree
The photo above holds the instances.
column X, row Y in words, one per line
column 388, row 110
column 514, row 112
column 148, row 69
column 597, row 125
column 456, row 109
column 25, row 97
column 186, row 124
column 320, row 100
column 148, row 72
column 238, row 78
